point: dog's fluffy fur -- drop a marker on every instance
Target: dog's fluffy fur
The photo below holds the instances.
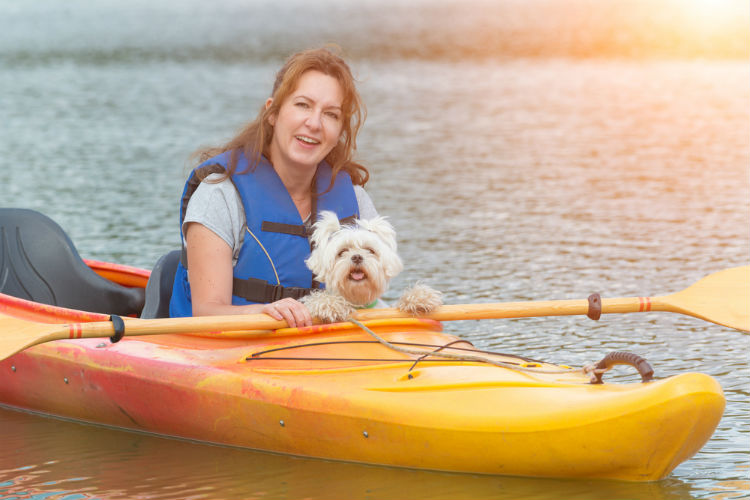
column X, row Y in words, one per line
column 356, row 262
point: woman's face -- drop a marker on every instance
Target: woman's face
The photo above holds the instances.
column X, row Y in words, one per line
column 308, row 124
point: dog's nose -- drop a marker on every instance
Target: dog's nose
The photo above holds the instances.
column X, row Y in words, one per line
column 357, row 259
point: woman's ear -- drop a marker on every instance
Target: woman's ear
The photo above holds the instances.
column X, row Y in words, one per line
column 272, row 117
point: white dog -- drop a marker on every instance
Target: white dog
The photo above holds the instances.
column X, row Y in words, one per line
column 356, row 261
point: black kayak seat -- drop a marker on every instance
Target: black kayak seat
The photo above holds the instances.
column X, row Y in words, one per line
column 159, row 286
column 39, row 262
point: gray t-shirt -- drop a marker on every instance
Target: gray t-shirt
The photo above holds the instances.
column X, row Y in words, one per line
column 217, row 206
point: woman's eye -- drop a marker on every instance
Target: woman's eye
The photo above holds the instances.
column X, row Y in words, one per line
column 302, row 104
column 333, row 115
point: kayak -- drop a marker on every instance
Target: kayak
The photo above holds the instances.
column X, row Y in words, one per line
column 395, row 392
column 335, row 392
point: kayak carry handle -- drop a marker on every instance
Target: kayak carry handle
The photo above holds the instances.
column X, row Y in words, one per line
column 620, row 358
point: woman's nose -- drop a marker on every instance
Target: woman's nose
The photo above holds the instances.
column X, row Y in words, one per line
column 313, row 120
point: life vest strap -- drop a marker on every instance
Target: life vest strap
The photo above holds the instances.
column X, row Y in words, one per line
column 257, row 290
column 280, row 227
column 297, row 229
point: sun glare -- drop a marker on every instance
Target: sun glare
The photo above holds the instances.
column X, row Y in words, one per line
column 715, row 13
column 703, row 27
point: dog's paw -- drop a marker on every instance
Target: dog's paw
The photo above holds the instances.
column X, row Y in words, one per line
column 419, row 299
column 327, row 307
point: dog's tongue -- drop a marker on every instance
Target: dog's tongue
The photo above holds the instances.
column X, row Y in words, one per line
column 357, row 275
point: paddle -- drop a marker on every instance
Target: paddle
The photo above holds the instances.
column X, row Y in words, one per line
column 722, row 298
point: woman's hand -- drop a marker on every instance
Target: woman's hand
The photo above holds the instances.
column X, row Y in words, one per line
column 290, row 310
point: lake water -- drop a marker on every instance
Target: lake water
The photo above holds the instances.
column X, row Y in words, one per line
column 523, row 151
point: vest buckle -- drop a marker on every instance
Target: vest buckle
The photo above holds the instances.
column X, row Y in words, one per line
column 276, row 293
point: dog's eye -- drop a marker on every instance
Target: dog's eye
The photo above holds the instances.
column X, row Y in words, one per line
column 370, row 250
column 342, row 252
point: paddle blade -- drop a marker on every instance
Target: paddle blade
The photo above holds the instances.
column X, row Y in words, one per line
column 19, row 334
column 722, row 298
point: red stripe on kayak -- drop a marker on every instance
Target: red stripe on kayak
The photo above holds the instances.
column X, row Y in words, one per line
column 648, row 303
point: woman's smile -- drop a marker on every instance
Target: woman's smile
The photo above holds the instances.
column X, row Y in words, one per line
column 307, row 140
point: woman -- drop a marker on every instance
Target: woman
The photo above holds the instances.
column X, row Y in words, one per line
column 247, row 208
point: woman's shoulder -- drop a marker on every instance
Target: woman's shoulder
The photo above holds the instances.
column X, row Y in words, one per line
column 215, row 189
column 216, row 204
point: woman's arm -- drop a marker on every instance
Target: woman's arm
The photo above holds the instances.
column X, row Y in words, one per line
column 211, row 275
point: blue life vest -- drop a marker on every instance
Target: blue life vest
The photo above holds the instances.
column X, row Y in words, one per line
column 271, row 263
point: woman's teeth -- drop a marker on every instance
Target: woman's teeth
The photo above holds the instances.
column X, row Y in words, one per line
column 308, row 140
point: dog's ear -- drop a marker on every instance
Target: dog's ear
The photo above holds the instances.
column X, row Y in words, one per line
column 318, row 262
column 382, row 228
column 327, row 224
column 392, row 264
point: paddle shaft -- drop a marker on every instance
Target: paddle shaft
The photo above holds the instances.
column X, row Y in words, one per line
column 504, row 310
column 456, row 312
column 722, row 297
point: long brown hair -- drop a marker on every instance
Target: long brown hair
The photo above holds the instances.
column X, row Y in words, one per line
column 254, row 138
